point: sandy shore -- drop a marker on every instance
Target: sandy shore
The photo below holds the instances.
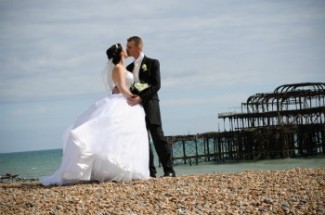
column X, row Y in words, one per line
column 294, row 191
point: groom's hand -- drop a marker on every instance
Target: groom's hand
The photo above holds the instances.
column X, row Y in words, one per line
column 134, row 100
column 115, row 90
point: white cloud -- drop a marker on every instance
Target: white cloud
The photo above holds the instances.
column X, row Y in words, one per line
column 222, row 43
column 214, row 53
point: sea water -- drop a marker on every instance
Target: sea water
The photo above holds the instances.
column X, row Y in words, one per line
column 33, row 164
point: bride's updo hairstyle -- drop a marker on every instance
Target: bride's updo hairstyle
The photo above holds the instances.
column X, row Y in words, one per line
column 114, row 53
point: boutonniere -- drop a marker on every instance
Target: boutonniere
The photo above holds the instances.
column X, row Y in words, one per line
column 144, row 67
column 138, row 87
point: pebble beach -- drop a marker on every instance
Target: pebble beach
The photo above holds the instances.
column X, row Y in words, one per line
column 291, row 191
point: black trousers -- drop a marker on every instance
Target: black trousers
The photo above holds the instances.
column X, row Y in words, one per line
column 163, row 148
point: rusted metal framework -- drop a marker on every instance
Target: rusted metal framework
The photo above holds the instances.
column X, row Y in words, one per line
column 286, row 123
column 289, row 122
column 204, row 147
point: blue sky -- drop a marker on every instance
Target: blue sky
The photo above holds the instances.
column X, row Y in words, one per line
column 214, row 54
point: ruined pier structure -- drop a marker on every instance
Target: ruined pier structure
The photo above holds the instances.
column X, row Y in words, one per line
column 289, row 122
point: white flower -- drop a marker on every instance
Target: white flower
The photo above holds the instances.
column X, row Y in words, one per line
column 144, row 67
column 139, row 86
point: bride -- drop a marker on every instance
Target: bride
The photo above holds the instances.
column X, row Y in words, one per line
column 108, row 142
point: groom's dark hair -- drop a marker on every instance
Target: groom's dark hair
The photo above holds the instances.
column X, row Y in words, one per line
column 137, row 41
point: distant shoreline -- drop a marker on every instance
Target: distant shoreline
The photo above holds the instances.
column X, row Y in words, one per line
column 30, row 151
column 219, row 167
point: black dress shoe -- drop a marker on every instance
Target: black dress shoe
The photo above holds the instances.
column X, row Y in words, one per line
column 169, row 174
column 153, row 176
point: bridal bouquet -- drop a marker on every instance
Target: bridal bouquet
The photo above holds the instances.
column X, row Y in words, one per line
column 138, row 87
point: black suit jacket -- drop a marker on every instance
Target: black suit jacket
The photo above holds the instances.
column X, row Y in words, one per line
column 150, row 73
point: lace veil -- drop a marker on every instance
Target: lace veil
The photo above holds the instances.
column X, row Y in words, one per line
column 107, row 75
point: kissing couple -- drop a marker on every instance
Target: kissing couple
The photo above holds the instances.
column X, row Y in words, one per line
column 110, row 140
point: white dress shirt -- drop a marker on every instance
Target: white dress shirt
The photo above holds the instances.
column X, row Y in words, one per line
column 136, row 68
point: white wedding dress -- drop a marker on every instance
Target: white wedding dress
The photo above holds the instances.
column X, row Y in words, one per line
column 109, row 142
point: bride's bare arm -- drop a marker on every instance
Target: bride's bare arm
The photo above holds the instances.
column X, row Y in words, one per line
column 119, row 80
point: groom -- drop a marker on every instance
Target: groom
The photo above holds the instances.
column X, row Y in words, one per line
column 147, row 70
